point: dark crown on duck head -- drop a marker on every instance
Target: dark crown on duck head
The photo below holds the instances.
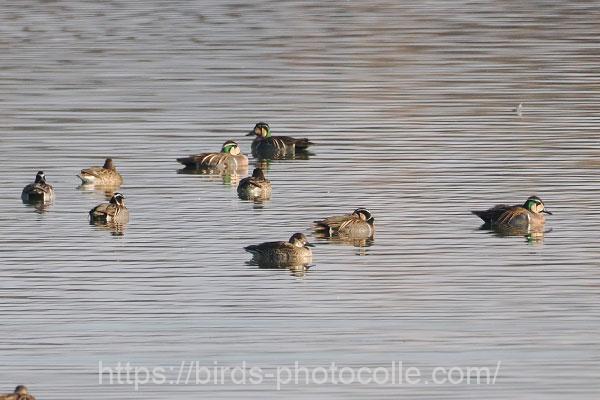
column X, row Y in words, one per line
column 40, row 177
column 260, row 129
column 118, row 199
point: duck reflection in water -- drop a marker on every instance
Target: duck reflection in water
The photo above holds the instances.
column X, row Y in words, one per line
column 106, row 191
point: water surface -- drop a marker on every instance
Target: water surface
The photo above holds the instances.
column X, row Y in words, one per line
column 410, row 107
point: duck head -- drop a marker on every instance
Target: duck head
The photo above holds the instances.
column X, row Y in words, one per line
column 231, row 147
column 536, row 205
column 21, row 390
column 299, row 240
column 118, row 199
column 40, row 177
column 364, row 214
column 261, row 129
column 108, row 164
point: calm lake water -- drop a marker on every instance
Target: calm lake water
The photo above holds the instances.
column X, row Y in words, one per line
column 410, row 106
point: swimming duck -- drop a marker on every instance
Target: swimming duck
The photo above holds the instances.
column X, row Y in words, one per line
column 255, row 186
column 296, row 251
column 230, row 158
column 113, row 211
column 38, row 191
column 529, row 214
column 265, row 145
column 20, row 393
column 106, row 175
column 358, row 224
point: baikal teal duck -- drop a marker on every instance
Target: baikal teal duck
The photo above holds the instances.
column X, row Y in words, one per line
column 39, row 191
column 112, row 212
column 518, row 220
column 230, row 158
column 267, row 146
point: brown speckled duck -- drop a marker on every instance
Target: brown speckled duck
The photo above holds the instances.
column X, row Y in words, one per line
column 38, row 191
column 255, row 186
column 106, row 175
column 230, row 158
column 296, row 251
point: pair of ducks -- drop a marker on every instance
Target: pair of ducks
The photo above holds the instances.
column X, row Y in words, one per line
column 264, row 146
column 114, row 211
column 360, row 224
column 296, row 252
column 20, row 393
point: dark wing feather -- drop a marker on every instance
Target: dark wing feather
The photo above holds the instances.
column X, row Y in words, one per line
column 300, row 144
column 491, row 215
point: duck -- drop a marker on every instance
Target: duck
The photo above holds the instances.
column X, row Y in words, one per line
column 294, row 252
column 114, row 211
column 267, row 146
column 255, row 186
column 20, row 393
column 359, row 224
column 39, row 190
column 106, row 175
column 230, row 158
column 528, row 215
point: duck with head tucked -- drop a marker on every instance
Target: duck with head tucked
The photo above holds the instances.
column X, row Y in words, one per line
column 38, row 191
column 360, row 224
column 230, row 158
column 20, row 393
column 292, row 253
column 528, row 215
column 107, row 175
column 112, row 212
column 255, row 187
column 267, row 146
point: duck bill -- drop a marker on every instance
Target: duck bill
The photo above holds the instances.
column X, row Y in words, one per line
column 251, row 133
column 546, row 212
column 309, row 245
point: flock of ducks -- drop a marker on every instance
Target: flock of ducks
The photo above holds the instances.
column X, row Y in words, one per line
column 356, row 227
column 294, row 253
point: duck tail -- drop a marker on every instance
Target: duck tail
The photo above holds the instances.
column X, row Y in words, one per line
column 302, row 144
column 184, row 160
column 480, row 214
column 251, row 249
column 321, row 226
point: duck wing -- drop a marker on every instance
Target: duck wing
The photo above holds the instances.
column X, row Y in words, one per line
column 492, row 214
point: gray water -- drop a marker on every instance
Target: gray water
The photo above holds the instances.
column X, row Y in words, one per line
column 410, row 106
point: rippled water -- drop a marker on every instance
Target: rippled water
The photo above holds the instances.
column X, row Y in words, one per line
column 410, row 106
